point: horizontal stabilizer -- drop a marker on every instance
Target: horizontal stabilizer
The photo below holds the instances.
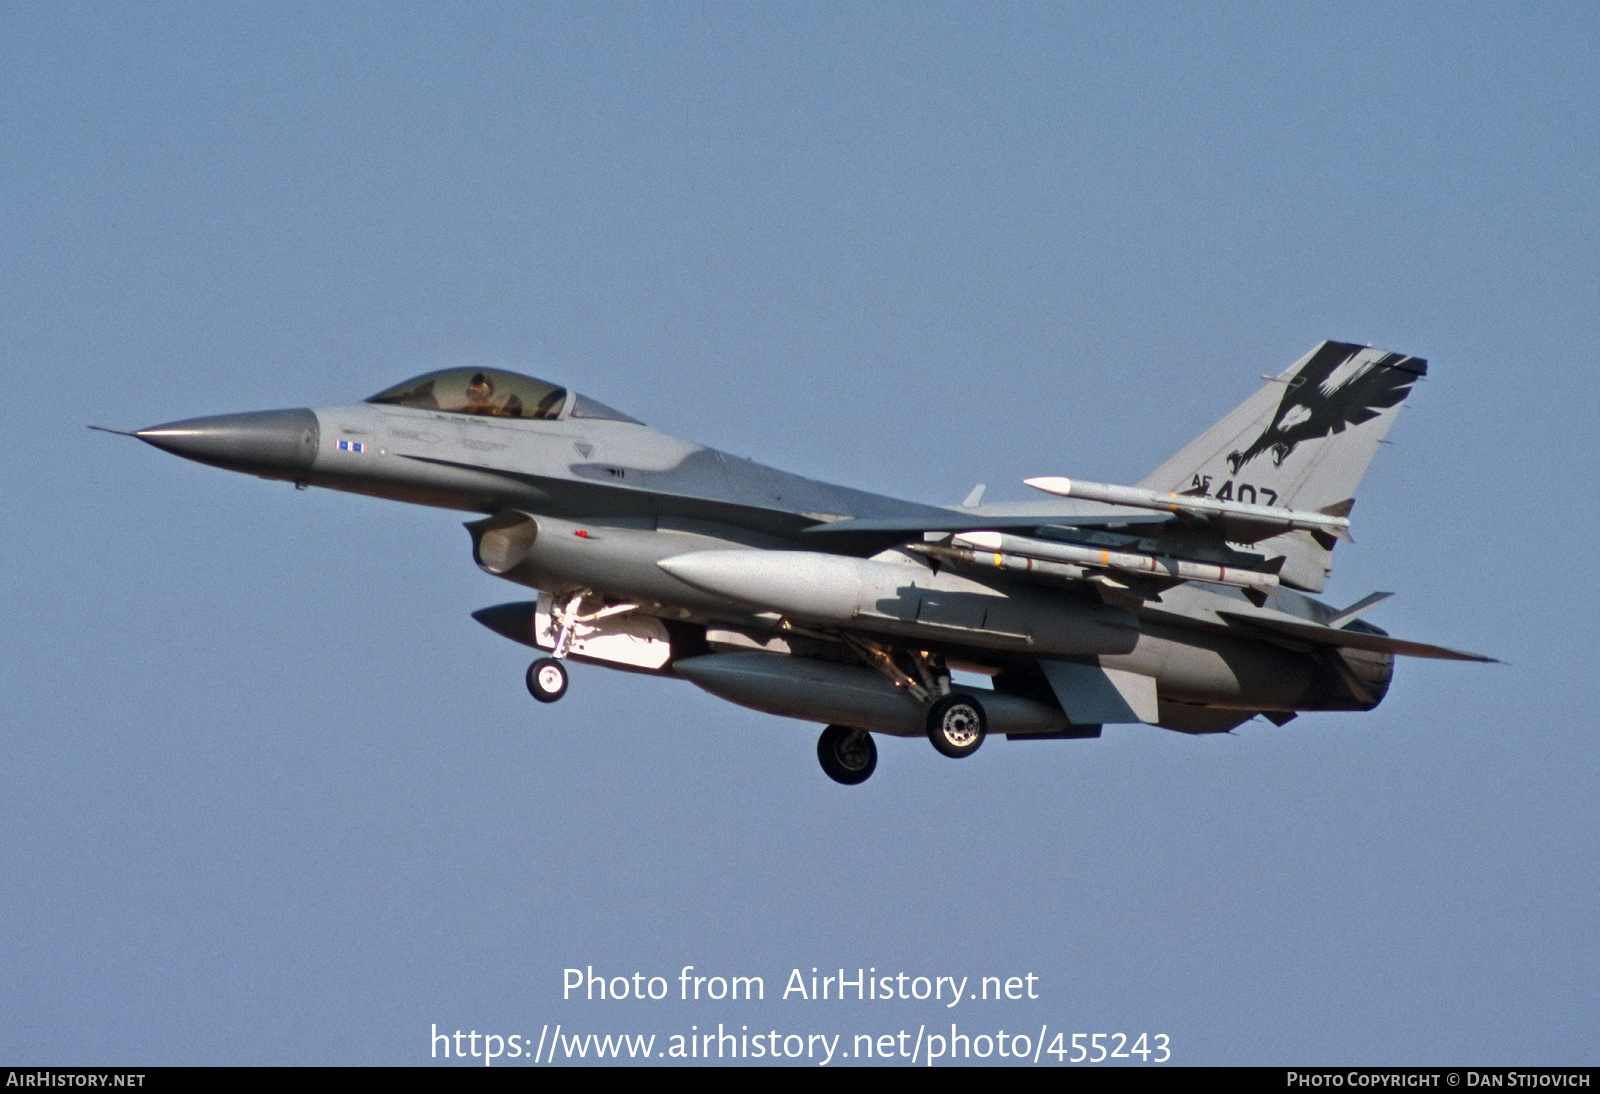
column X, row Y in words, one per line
column 1347, row 639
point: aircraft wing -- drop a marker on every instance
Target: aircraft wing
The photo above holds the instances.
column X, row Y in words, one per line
column 965, row 521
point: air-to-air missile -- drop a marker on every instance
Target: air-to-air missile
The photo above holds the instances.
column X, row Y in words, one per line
column 1073, row 562
column 1244, row 522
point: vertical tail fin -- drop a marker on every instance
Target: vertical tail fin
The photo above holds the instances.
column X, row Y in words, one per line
column 1301, row 442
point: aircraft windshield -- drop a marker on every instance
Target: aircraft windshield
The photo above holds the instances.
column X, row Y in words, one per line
column 489, row 392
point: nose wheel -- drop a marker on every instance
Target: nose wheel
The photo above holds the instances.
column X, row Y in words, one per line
column 547, row 680
column 848, row 755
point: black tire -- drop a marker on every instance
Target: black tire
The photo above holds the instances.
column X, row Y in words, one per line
column 956, row 725
column 848, row 755
column 547, row 679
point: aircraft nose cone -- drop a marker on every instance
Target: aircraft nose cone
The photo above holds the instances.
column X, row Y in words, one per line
column 277, row 443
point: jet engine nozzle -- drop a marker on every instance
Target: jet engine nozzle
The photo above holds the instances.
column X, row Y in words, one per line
column 277, row 444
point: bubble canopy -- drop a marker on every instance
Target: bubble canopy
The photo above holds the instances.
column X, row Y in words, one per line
column 492, row 393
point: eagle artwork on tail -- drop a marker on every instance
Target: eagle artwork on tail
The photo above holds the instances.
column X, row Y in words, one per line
column 1341, row 385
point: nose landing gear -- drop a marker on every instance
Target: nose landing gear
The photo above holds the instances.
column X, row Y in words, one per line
column 547, row 680
column 547, row 677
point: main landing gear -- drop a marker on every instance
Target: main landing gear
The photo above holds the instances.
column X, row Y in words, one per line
column 848, row 755
column 956, row 725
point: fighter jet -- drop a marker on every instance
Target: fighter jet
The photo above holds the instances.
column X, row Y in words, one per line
column 1180, row 602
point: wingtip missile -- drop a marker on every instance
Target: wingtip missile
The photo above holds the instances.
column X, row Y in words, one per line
column 1051, row 484
column 1244, row 522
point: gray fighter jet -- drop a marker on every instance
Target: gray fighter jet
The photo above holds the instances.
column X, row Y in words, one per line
column 1178, row 602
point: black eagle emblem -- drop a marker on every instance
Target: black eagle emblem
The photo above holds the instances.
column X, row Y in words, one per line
column 1331, row 392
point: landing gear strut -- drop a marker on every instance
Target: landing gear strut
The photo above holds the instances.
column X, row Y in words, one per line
column 547, row 680
column 547, row 677
column 848, row 755
column 956, row 722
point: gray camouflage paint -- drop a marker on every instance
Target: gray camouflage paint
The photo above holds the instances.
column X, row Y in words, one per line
column 734, row 556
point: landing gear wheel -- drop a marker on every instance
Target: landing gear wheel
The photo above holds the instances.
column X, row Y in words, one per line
column 956, row 725
column 848, row 755
column 547, row 680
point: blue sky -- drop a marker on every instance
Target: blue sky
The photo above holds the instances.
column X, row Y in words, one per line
column 269, row 795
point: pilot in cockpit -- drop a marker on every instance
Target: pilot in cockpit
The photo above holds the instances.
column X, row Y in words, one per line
column 481, row 400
